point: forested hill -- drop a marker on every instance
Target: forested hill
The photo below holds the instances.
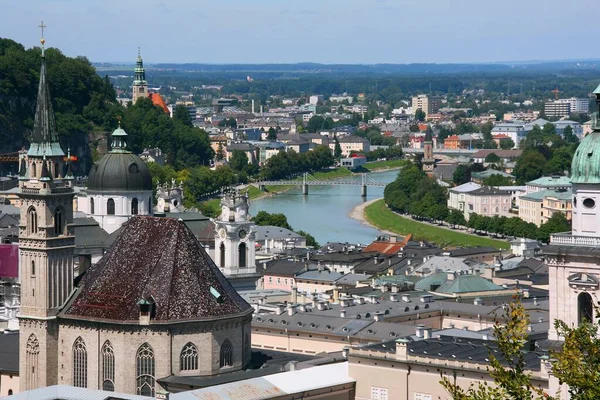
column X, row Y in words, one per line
column 84, row 103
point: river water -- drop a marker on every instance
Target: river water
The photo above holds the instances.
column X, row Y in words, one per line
column 324, row 212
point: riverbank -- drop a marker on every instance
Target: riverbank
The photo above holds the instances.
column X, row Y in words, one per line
column 358, row 213
column 376, row 214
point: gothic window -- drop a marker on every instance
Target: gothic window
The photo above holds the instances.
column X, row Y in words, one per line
column 91, row 205
column 226, row 359
column 189, row 357
column 32, row 221
column 242, row 255
column 58, row 221
column 32, row 268
column 33, row 171
column 145, row 366
column 32, row 351
column 108, row 367
column 585, row 308
column 110, row 207
column 79, row 363
column 222, row 254
column 134, row 206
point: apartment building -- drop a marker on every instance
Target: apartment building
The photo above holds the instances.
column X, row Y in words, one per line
column 427, row 104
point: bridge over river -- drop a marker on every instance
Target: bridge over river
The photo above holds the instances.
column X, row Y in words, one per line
column 309, row 180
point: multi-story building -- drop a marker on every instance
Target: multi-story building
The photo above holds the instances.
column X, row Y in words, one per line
column 516, row 131
column 548, row 182
column 557, row 201
column 351, row 144
column 427, row 104
column 530, row 207
column 557, row 108
column 488, row 201
column 457, row 196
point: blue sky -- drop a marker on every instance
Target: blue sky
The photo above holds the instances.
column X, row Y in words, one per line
column 325, row 31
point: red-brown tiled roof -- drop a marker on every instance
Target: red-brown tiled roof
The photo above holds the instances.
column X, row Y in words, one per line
column 386, row 247
column 159, row 260
column 157, row 100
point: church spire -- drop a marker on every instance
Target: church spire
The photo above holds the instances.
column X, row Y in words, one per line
column 140, row 71
column 44, row 139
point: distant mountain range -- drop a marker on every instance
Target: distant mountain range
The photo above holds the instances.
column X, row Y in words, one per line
column 315, row 68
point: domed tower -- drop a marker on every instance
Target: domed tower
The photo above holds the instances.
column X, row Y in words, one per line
column 573, row 258
column 119, row 186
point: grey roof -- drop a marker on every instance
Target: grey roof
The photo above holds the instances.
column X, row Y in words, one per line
column 64, row 392
column 9, row 353
column 470, row 251
column 284, row 268
column 262, row 362
column 465, row 187
column 274, row 232
column 89, row 236
column 119, row 172
column 444, row 263
column 489, row 191
column 321, row 276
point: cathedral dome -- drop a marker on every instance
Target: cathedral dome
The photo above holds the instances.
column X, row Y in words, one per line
column 120, row 170
column 585, row 167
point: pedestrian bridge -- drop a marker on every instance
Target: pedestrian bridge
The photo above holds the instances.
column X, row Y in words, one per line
column 309, row 180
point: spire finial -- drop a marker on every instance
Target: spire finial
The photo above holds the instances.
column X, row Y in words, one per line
column 42, row 40
column 119, row 120
column 139, row 52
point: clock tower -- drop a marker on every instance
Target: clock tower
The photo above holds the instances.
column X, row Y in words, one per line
column 235, row 237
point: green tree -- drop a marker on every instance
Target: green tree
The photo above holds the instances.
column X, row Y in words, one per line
column 530, row 165
column 337, row 149
column 462, row 174
column 238, row 160
column 569, row 136
column 492, row 158
column 182, row 115
column 220, row 153
column 310, row 239
column 420, row 115
column 507, row 144
column 555, row 224
column 315, row 123
column 272, row 134
column 263, row 218
column 498, row 180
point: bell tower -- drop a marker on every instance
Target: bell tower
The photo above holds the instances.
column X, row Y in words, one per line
column 46, row 243
column 428, row 161
column 235, row 237
column 140, row 86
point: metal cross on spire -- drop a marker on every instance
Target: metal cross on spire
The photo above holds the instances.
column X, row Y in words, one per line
column 42, row 40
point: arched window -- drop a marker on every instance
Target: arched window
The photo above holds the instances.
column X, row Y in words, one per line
column 134, row 206
column 32, row 221
column 242, row 250
column 32, row 351
column 32, row 267
column 145, row 365
column 91, row 205
column 585, row 308
column 58, row 221
column 222, row 255
column 108, row 367
column 110, row 207
column 33, row 170
column 79, row 363
column 10, row 392
column 189, row 357
column 226, row 359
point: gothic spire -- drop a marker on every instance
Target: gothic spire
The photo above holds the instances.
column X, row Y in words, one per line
column 140, row 71
column 44, row 138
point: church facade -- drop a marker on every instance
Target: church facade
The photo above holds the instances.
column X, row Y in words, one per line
column 154, row 306
column 574, row 257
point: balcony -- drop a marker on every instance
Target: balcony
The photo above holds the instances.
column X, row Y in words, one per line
column 566, row 238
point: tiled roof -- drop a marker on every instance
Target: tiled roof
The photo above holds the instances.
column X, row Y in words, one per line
column 385, row 247
column 160, row 260
column 550, row 181
column 157, row 100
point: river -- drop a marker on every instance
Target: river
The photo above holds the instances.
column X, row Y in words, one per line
column 324, row 213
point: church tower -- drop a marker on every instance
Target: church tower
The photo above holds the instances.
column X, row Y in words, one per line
column 46, row 244
column 572, row 257
column 235, row 238
column 140, row 86
column 428, row 161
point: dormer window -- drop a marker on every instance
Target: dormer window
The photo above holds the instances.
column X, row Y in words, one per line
column 147, row 310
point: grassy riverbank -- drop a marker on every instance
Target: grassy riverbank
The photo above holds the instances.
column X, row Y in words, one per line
column 381, row 217
column 387, row 164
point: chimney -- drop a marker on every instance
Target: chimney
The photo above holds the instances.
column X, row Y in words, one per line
column 526, row 293
column 408, row 262
column 294, row 294
column 451, row 275
column 336, row 294
column 291, row 309
column 261, row 109
column 395, row 288
column 384, row 288
column 529, row 328
column 393, row 239
column 427, row 332
column 477, row 301
column 535, row 301
column 302, row 308
column 394, row 297
column 376, row 260
column 345, row 352
column 342, row 313
column 280, row 309
column 314, row 302
column 321, row 306
column 406, row 298
column 379, row 316
column 319, row 266
column 420, row 331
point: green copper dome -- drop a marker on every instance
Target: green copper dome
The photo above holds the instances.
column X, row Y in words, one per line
column 586, row 160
